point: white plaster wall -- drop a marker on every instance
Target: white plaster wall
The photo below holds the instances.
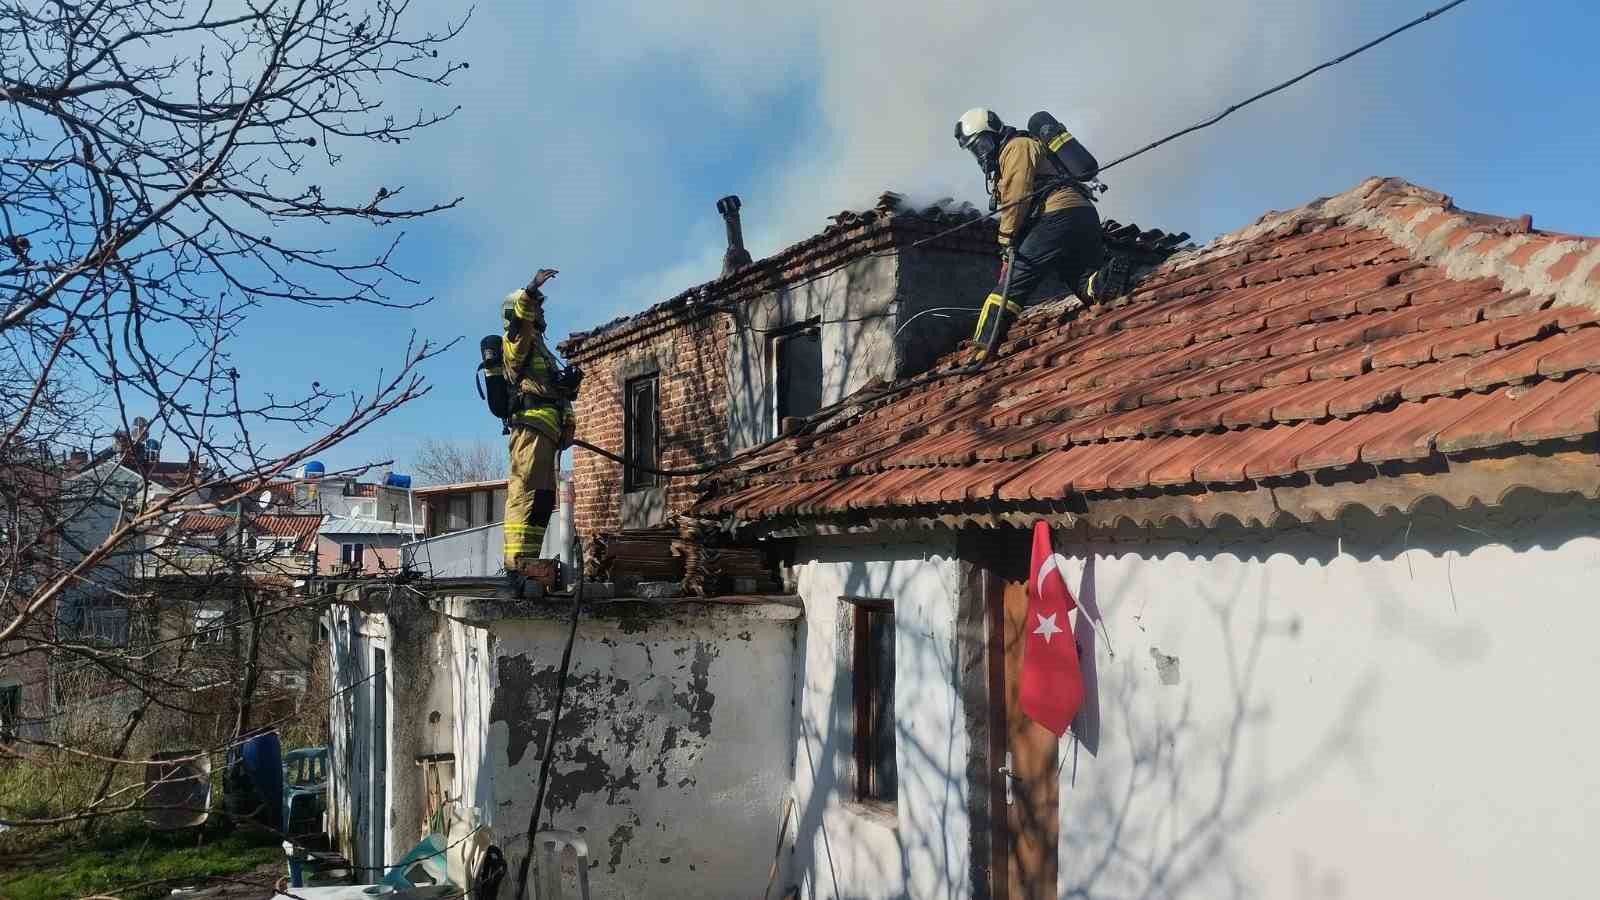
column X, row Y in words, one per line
column 840, row 850
column 1351, row 718
column 673, row 755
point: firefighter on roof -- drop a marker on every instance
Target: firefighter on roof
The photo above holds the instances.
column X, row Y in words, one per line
column 540, row 422
column 1037, row 180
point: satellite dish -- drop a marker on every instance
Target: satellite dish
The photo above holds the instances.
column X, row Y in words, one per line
column 265, row 499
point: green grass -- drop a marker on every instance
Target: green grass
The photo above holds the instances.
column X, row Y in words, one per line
column 105, row 869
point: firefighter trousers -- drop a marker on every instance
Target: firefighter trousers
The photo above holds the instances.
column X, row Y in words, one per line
column 1066, row 242
column 530, row 493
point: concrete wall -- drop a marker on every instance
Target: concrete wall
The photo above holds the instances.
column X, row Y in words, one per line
column 1385, row 708
column 420, row 710
column 852, row 352
column 676, row 741
column 673, row 755
column 842, row 850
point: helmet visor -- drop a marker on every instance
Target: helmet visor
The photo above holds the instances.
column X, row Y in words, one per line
column 984, row 147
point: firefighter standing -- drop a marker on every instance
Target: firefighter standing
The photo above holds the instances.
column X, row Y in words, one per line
column 1047, row 221
column 540, row 423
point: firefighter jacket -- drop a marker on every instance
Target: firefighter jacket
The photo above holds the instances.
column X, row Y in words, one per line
column 1024, row 166
column 530, row 369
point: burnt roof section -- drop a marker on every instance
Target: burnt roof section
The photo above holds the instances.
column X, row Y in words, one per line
column 890, row 226
column 1379, row 336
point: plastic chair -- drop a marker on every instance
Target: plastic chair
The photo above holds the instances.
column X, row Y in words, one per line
column 305, row 790
column 550, row 843
column 429, row 856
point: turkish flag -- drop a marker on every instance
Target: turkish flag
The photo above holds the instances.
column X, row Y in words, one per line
column 1050, row 688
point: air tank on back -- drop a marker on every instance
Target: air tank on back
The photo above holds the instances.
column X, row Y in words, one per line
column 1070, row 154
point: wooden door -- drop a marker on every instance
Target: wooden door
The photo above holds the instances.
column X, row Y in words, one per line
column 1026, row 821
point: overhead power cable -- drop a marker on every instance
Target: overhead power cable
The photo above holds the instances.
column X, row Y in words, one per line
column 1207, row 123
column 1198, row 126
column 922, row 242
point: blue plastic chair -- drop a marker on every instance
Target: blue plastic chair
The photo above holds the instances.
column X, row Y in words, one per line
column 305, row 790
column 429, row 853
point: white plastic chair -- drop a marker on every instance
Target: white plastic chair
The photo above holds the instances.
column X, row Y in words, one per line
column 550, row 843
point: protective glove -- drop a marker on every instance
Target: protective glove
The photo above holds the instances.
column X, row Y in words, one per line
column 539, row 278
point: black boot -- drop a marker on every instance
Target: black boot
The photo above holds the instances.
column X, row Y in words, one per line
column 1109, row 282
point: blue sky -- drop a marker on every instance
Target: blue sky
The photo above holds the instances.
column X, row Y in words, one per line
column 597, row 140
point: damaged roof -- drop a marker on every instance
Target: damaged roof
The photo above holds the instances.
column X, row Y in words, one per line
column 1381, row 337
column 889, row 226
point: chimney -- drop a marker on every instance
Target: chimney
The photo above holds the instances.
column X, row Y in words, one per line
column 737, row 256
column 78, row 461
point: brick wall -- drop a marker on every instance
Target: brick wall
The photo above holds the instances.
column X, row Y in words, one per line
column 691, row 361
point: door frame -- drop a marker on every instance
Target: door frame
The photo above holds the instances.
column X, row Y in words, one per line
column 1001, row 557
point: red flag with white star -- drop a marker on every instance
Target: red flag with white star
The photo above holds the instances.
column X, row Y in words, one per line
column 1050, row 686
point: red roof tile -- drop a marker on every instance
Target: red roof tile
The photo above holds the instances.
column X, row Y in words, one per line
column 301, row 527
column 1298, row 345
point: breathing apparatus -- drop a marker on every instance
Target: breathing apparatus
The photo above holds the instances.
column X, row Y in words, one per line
column 980, row 132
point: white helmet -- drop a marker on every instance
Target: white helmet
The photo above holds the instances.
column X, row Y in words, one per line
column 980, row 131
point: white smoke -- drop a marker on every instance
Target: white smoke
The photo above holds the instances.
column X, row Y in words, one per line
column 894, row 75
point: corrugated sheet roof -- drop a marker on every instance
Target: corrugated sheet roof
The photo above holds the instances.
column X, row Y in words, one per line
column 1349, row 332
column 348, row 525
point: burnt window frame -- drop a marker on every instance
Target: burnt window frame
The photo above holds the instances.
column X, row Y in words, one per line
column 867, row 666
column 635, row 479
column 775, row 342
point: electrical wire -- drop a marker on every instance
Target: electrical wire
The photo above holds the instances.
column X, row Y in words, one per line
column 706, row 469
column 1198, row 126
column 922, row 242
column 1207, row 123
column 555, row 720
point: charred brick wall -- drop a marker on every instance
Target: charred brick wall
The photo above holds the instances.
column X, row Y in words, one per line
column 689, row 357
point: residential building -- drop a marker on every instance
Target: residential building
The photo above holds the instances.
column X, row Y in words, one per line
column 718, row 368
column 1329, row 485
column 29, row 543
column 1324, row 491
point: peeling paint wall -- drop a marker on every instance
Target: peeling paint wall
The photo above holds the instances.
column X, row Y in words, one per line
column 419, row 709
column 673, row 751
column 840, row 849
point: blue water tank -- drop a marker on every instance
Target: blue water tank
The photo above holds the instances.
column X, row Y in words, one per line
column 396, row 480
column 152, row 448
column 313, row 469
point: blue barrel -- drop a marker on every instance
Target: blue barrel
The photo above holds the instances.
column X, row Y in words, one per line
column 263, row 768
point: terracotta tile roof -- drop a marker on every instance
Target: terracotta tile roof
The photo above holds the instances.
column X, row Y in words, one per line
column 1377, row 326
column 302, row 527
column 888, row 226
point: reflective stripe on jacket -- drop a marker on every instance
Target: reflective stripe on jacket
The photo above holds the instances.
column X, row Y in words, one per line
column 1020, row 159
column 529, row 370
